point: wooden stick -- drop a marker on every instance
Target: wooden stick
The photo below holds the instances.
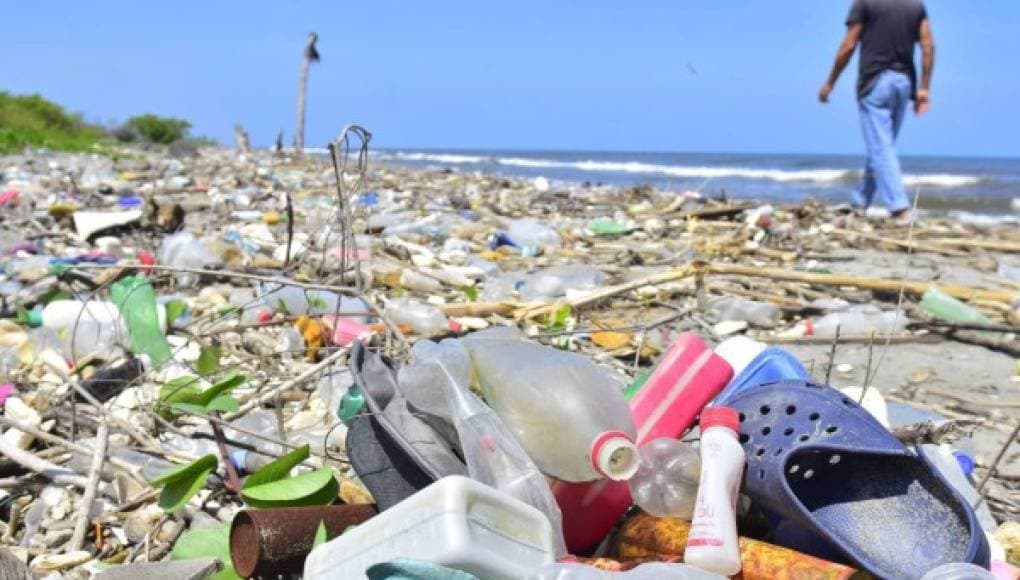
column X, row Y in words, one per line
column 478, row 308
column 917, row 246
column 269, row 395
column 530, row 312
column 51, row 471
column 996, row 245
column 81, row 524
column 913, row 287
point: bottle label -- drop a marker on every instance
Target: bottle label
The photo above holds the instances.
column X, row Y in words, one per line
column 704, row 542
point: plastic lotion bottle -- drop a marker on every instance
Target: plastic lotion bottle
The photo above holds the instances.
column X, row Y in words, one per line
column 712, row 544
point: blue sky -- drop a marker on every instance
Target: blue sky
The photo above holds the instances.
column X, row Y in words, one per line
column 677, row 75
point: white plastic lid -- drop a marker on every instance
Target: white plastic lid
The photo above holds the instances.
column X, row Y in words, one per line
column 739, row 351
column 615, row 456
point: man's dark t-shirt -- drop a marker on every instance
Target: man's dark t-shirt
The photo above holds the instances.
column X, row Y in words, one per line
column 890, row 29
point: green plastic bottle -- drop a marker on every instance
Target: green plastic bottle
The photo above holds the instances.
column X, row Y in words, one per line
column 136, row 301
column 945, row 307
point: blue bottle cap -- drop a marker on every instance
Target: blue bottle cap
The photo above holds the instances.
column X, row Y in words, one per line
column 130, row 201
column 966, row 462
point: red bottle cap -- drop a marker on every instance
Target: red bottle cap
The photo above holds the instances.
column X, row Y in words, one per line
column 720, row 417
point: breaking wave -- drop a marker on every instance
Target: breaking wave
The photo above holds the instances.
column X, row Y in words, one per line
column 822, row 175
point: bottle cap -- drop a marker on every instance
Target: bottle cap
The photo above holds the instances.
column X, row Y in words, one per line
column 739, row 351
column 34, row 318
column 966, row 462
column 615, row 456
column 720, row 417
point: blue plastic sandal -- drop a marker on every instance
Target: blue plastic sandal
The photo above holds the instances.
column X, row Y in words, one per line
column 819, row 460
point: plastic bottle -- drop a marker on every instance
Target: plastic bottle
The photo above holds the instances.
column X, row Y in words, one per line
column 666, row 484
column 136, row 300
column 530, row 232
column 425, row 319
column 558, row 281
column 685, row 379
column 943, row 306
column 958, row 571
column 754, row 365
column 87, row 327
column 761, row 314
column 712, row 544
column 438, row 382
column 568, row 413
column 455, row 522
column 184, row 250
column 650, row 571
column 859, row 320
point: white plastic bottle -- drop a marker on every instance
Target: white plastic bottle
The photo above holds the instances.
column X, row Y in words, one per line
column 712, row 543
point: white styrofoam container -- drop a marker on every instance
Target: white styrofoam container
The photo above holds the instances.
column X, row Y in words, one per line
column 455, row 522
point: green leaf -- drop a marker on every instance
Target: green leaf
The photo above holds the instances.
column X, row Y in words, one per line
column 189, row 409
column 277, row 469
column 232, row 381
column 471, row 292
column 181, row 483
column 317, row 487
column 174, row 310
column 207, row 543
column 209, row 359
column 281, row 306
column 316, row 302
column 321, row 534
column 223, row 404
column 179, row 390
column 558, row 319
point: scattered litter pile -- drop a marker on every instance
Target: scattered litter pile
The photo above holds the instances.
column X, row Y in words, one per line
column 251, row 365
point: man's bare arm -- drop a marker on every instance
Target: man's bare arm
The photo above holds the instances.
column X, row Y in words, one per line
column 927, row 41
column 843, row 56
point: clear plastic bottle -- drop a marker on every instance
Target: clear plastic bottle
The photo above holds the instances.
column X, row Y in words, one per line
column 437, row 381
column 761, row 314
column 184, row 250
column 858, row 321
column 666, row 483
column 712, row 543
column 425, row 319
column 566, row 411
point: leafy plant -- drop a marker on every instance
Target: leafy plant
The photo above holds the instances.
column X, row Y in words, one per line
column 174, row 310
column 160, row 130
column 209, row 360
column 182, row 395
column 182, row 483
column 271, row 486
column 207, row 543
column 471, row 292
column 32, row 121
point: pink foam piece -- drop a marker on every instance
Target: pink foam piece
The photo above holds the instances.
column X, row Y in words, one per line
column 5, row 392
column 345, row 330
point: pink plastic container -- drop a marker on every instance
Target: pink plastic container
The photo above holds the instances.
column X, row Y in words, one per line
column 687, row 377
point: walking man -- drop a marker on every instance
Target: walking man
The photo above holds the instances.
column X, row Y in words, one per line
column 887, row 31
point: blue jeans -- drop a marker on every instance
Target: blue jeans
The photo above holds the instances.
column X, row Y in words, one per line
column 882, row 112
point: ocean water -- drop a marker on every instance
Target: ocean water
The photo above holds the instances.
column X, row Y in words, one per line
column 980, row 185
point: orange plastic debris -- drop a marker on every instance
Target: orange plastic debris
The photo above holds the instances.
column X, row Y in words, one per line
column 645, row 537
